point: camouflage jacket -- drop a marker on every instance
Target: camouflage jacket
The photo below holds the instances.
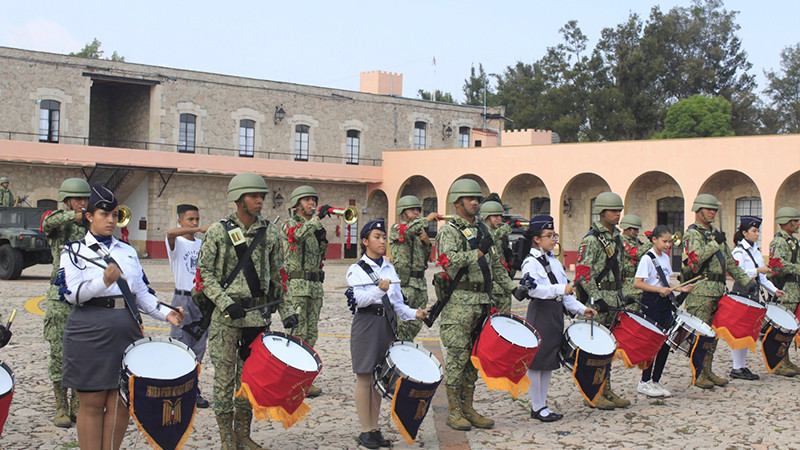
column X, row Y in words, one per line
column 218, row 258
column 409, row 253
column 503, row 284
column 59, row 227
column 303, row 254
column 6, row 197
column 700, row 246
column 781, row 249
column 593, row 256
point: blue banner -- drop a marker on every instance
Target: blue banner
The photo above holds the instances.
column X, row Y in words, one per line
column 702, row 344
column 164, row 409
column 774, row 346
column 410, row 404
column 590, row 373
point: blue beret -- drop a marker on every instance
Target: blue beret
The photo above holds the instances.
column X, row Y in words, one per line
column 102, row 198
column 542, row 222
column 751, row 221
column 377, row 224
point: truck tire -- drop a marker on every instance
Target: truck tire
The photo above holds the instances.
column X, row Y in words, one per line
column 12, row 261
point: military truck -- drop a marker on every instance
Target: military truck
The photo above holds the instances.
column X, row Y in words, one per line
column 21, row 243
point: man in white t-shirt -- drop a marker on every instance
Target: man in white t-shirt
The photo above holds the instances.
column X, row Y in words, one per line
column 183, row 249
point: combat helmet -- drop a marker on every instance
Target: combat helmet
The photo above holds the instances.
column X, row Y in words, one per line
column 407, row 202
column 607, row 200
column 302, row 192
column 464, row 187
column 3, row 180
column 491, row 208
column 245, row 183
column 73, row 187
column 631, row 221
column 786, row 214
column 705, row 201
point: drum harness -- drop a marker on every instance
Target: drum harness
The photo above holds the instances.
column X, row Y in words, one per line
column 738, row 287
column 662, row 277
column 388, row 310
column 612, row 265
column 542, row 259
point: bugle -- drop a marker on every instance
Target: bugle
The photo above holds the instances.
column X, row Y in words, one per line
column 350, row 214
column 445, row 217
column 677, row 238
column 124, row 217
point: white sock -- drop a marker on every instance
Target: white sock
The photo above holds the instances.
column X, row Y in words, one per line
column 545, row 385
column 537, row 400
column 739, row 358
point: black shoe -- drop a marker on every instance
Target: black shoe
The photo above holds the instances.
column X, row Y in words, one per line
column 752, row 375
column 383, row 442
column 743, row 374
column 368, row 440
column 201, row 402
column 552, row 417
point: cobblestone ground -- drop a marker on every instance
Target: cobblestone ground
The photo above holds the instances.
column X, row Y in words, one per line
column 745, row 414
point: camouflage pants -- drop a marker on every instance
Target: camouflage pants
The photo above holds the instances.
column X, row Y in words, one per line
column 457, row 325
column 628, row 289
column 613, row 301
column 407, row 330
column 307, row 308
column 792, row 297
column 223, row 350
column 502, row 301
column 701, row 306
column 55, row 319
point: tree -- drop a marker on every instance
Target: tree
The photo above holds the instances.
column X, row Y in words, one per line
column 476, row 86
column 444, row 97
column 783, row 90
column 698, row 116
column 92, row 51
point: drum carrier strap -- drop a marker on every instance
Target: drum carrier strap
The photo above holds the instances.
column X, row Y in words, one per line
column 243, row 254
column 662, row 277
column 122, row 283
column 705, row 264
column 387, row 305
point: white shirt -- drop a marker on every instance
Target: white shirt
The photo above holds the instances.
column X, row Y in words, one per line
column 183, row 261
column 372, row 294
column 647, row 270
column 740, row 252
column 85, row 280
column 546, row 290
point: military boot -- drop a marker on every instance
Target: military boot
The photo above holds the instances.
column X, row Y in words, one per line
column 455, row 419
column 61, row 416
column 618, row 401
column 601, row 403
column 241, row 431
column 313, row 391
column 787, row 368
column 703, row 383
column 225, row 422
column 711, row 376
column 790, row 365
column 74, row 405
column 469, row 413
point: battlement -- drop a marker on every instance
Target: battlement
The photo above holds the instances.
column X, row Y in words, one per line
column 383, row 83
column 526, row 136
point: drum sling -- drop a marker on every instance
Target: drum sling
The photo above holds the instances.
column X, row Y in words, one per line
column 391, row 316
column 130, row 299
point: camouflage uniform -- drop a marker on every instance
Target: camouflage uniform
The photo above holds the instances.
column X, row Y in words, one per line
column 303, row 254
column 593, row 255
column 502, row 284
column 216, row 260
column 784, row 247
column 6, row 197
column 410, row 257
column 633, row 250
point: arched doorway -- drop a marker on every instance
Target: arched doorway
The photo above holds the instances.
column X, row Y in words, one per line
column 576, row 211
column 658, row 199
column 789, row 192
column 738, row 196
column 527, row 196
column 423, row 189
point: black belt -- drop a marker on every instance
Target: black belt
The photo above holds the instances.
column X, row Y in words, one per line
column 182, row 292
column 417, row 273
column 111, row 302
column 792, row 279
column 608, row 285
column 246, row 302
column 469, row 286
column 717, row 277
column 308, row 275
column 377, row 310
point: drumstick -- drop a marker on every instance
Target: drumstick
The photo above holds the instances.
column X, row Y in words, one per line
column 373, row 284
column 591, row 320
column 291, row 333
column 11, row 319
column 170, row 307
column 687, row 282
column 72, row 252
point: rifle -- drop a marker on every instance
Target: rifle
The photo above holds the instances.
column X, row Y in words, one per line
column 442, row 295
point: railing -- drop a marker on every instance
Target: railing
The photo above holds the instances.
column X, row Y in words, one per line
column 198, row 150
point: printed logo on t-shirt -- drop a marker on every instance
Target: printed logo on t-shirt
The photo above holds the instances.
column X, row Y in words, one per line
column 190, row 261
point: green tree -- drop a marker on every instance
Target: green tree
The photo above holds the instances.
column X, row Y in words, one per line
column 476, row 85
column 92, row 51
column 444, row 97
column 698, row 116
column 783, row 90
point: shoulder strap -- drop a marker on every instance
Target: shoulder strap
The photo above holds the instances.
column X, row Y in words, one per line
column 661, row 275
column 387, row 304
column 245, row 262
column 705, row 264
column 368, row 270
column 122, row 283
column 546, row 264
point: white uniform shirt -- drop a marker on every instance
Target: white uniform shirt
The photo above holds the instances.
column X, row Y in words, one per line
column 183, row 261
column 647, row 270
column 740, row 252
column 544, row 288
column 85, row 280
column 372, row 295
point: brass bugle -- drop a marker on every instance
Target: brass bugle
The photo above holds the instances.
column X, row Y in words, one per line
column 521, row 224
column 445, row 217
column 124, row 217
column 676, row 238
column 557, row 250
column 350, row 214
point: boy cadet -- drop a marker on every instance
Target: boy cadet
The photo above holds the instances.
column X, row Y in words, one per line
column 708, row 254
column 6, row 197
column 502, row 285
column 304, row 246
column 465, row 245
column 411, row 248
column 786, row 271
column 61, row 226
column 182, row 249
column 229, row 338
column 633, row 249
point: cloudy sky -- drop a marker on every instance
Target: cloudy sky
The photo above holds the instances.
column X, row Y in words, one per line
column 329, row 43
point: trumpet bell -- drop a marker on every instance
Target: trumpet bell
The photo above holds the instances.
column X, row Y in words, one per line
column 445, row 217
column 124, row 217
column 677, row 238
column 349, row 214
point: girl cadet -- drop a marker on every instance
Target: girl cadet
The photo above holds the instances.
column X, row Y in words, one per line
column 749, row 258
column 100, row 327
column 548, row 290
column 372, row 279
column 652, row 277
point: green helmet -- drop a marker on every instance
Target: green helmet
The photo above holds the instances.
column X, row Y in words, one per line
column 631, row 221
column 464, row 187
column 607, row 200
column 302, row 192
column 246, row 183
column 73, row 187
column 786, row 214
column 705, row 201
column 407, row 202
column 3, row 179
column 491, row 208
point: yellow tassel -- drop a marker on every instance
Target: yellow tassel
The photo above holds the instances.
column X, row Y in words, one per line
column 734, row 343
column 273, row 413
column 623, row 356
column 503, row 384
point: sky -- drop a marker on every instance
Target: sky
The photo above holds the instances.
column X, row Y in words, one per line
column 324, row 43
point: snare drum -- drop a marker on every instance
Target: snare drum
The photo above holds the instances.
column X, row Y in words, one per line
column 684, row 332
column 780, row 327
column 6, row 393
column 738, row 320
column 588, row 350
column 781, row 319
column 406, row 360
column 638, row 339
column 157, row 358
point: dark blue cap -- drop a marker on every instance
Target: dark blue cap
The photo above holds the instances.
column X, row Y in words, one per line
column 377, row 224
column 541, row 222
column 750, row 221
column 102, row 198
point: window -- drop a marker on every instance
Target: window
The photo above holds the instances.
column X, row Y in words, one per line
column 48, row 120
column 748, row 206
column 540, row 205
column 186, row 133
column 593, row 218
column 463, row 137
column 247, row 137
column 301, row 142
column 353, row 142
column 419, row 135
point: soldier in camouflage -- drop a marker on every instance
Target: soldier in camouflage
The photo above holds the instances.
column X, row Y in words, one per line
column 599, row 276
column 61, row 226
column 785, row 270
column 502, row 284
column 410, row 248
column 465, row 243
column 708, row 254
column 304, row 246
column 633, row 250
column 229, row 337
column 6, row 197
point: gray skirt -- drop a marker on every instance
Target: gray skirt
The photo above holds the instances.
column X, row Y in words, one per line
column 94, row 340
column 370, row 337
column 547, row 317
